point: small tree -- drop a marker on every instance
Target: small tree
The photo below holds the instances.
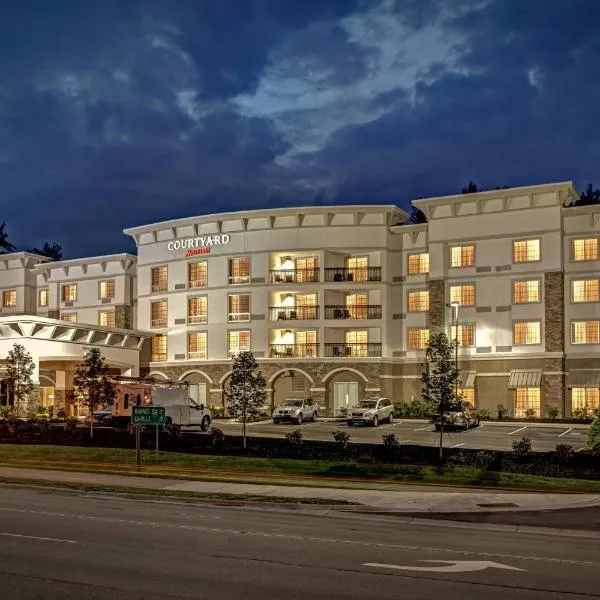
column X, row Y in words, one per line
column 51, row 250
column 19, row 372
column 440, row 380
column 246, row 392
column 93, row 386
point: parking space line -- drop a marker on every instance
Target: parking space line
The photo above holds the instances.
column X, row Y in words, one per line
column 459, row 445
column 422, row 428
column 404, row 441
column 580, row 449
column 517, row 430
column 565, row 433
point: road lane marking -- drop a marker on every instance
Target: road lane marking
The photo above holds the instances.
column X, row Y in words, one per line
column 422, row 429
column 35, row 537
column 455, row 566
column 263, row 534
column 517, row 430
column 565, row 433
column 459, row 445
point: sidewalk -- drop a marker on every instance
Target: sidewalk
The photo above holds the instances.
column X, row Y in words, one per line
column 397, row 501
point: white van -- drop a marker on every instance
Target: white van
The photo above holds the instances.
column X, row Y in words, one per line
column 180, row 409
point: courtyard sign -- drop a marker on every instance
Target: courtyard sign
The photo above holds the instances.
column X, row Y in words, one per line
column 204, row 242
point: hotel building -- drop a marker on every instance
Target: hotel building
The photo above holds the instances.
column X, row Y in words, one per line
column 335, row 302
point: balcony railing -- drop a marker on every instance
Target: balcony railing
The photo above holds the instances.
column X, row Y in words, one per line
column 160, row 322
column 293, row 313
column 197, row 319
column 295, row 276
column 158, row 357
column 353, row 274
column 198, row 283
column 367, row 311
column 294, row 350
column 239, row 279
column 238, row 316
column 369, row 349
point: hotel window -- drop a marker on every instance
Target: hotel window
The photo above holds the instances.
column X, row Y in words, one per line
column 582, row 398
column 526, row 400
column 159, row 348
column 306, row 344
column 526, row 291
column 584, row 249
column 239, row 307
column 585, row 332
column 106, row 318
column 462, row 256
column 68, row 292
column 585, row 290
column 71, row 317
column 467, row 395
column 197, row 310
column 418, row 263
column 466, row 335
column 307, row 269
column 357, row 305
column 358, row 268
column 526, row 251
column 197, row 345
column 418, row 339
column 418, row 301
column 106, row 289
column 527, row 333
column 9, row 298
column 43, row 297
column 358, row 342
column 160, row 278
column 306, row 306
column 462, row 294
column 198, row 274
column 239, row 270
column 238, row 341
column 158, row 313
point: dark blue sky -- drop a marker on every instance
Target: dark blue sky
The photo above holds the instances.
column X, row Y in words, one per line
column 117, row 113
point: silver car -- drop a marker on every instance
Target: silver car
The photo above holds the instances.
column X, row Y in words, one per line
column 371, row 411
column 296, row 410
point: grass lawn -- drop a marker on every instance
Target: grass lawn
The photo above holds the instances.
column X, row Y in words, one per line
column 284, row 471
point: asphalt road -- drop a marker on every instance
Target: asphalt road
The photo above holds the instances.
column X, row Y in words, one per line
column 57, row 546
column 488, row 435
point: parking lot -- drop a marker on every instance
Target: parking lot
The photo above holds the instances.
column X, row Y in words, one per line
column 489, row 435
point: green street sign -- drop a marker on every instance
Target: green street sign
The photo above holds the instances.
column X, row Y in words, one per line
column 148, row 415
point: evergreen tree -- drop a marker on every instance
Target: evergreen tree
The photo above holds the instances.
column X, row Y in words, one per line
column 5, row 245
column 470, row 188
column 19, row 372
column 51, row 250
column 246, row 391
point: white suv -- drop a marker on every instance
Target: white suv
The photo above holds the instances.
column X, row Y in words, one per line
column 371, row 411
column 296, row 410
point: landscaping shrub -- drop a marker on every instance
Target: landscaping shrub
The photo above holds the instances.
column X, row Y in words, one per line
column 564, row 453
column 553, row 411
column 594, row 432
column 484, row 414
column 217, row 437
column 521, row 447
column 296, row 439
column 502, row 410
column 342, row 440
column 390, row 442
column 415, row 409
column 61, row 414
column 530, row 413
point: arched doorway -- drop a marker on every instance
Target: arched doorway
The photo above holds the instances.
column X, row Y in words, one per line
column 291, row 383
column 198, row 390
column 344, row 389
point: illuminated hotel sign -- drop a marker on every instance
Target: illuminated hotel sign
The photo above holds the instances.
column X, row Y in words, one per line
column 199, row 245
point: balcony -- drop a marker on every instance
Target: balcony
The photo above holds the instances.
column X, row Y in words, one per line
column 233, row 317
column 341, row 311
column 361, row 350
column 197, row 319
column 294, row 275
column 159, row 322
column 357, row 274
column 293, row 313
column 294, row 350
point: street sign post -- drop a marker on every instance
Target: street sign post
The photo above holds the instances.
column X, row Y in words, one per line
column 146, row 415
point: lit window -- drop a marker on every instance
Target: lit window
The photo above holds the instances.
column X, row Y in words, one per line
column 585, row 290
column 526, row 333
column 585, row 332
column 526, row 291
column 239, row 270
column 198, row 274
column 239, row 307
column 238, row 341
column 526, row 251
column 159, row 312
column 357, row 342
column 305, row 344
column 358, row 268
column 71, row 317
column 159, row 348
column 9, row 298
column 466, row 335
column 418, row 263
column 106, row 318
column 43, row 297
column 160, row 278
column 462, row 256
column 418, row 301
column 418, row 339
column 107, row 289
column 462, row 294
column 467, row 395
column 585, row 249
column 585, row 398
column 69, row 292
column 197, row 310
column 197, row 347
column 357, row 306
column 307, row 269
column 527, row 402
